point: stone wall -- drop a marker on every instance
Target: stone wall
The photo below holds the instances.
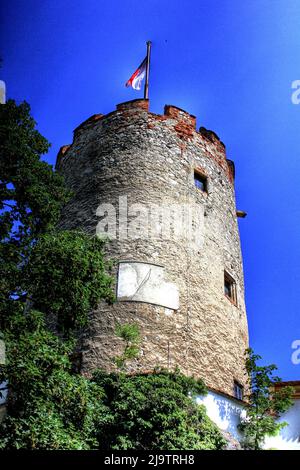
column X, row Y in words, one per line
column 151, row 159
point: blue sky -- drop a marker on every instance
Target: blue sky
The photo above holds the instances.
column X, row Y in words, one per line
column 230, row 63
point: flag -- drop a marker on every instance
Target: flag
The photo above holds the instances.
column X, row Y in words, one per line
column 137, row 77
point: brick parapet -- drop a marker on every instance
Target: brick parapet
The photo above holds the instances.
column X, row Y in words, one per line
column 181, row 122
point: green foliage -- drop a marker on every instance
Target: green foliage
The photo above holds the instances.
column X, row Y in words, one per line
column 155, row 411
column 43, row 273
column 130, row 334
column 265, row 402
column 29, row 189
column 31, row 197
column 66, row 276
column 49, row 407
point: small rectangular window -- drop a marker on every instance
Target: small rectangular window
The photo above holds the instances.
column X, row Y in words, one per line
column 229, row 287
column 200, row 181
column 238, row 390
column 76, row 362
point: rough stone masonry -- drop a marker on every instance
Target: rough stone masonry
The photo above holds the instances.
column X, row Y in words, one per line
column 152, row 160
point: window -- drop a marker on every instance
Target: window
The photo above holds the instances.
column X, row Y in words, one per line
column 200, row 181
column 76, row 362
column 238, row 390
column 229, row 287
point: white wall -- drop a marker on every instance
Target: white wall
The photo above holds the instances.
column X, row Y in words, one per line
column 289, row 437
column 225, row 412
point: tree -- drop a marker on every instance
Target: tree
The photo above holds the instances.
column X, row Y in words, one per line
column 266, row 403
column 44, row 274
column 31, row 198
column 49, row 406
column 62, row 273
column 155, row 411
column 66, row 276
column 31, row 193
column 152, row 411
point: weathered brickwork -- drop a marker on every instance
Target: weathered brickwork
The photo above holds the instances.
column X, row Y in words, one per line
column 151, row 159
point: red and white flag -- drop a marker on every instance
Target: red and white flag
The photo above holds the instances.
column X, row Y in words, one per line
column 137, row 77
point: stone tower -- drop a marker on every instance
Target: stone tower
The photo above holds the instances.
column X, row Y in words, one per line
column 185, row 290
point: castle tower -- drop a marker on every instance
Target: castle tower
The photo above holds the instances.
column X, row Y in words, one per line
column 182, row 284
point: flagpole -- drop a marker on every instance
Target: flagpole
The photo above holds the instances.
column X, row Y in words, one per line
column 146, row 88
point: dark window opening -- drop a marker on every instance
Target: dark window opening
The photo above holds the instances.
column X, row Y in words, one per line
column 229, row 287
column 76, row 362
column 200, row 181
column 238, row 390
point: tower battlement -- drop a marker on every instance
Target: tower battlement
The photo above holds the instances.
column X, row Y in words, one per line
column 182, row 123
